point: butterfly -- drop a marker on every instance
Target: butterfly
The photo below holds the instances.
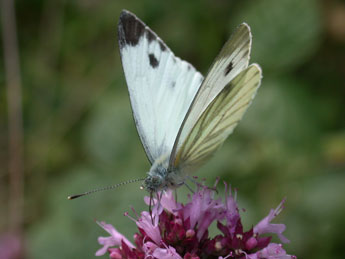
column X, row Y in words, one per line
column 181, row 117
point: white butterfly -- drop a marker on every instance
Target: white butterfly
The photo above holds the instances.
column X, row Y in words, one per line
column 181, row 117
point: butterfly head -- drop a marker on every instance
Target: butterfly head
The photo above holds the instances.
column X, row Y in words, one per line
column 158, row 176
column 153, row 183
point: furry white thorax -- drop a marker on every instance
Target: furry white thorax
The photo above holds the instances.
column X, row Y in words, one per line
column 161, row 177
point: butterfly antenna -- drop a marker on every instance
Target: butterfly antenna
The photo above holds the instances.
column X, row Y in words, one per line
column 71, row 197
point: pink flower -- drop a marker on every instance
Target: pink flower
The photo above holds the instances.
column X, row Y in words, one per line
column 272, row 251
column 11, row 246
column 166, row 253
column 151, row 229
column 265, row 226
column 180, row 231
column 202, row 210
column 115, row 239
column 231, row 213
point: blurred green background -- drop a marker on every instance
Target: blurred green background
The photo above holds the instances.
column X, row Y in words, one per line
column 79, row 132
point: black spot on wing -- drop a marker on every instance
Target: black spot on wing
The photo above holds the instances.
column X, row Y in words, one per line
column 162, row 45
column 153, row 60
column 130, row 29
column 228, row 68
column 173, row 84
column 150, row 35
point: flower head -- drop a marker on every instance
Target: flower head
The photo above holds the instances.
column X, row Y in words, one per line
column 11, row 246
column 175, row 230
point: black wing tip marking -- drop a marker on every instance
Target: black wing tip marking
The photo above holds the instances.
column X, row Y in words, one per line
column 241, row 38
column 246, row 28
column 162, row 45
column 131, row 29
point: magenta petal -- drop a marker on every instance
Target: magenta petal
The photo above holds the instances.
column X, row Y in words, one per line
column 106, row 242
column 152, row 231
column 193, row 210
column 231, row 214
column 149, row 248
column 113, row 240
column 102, row 251
column 168, row 202
column 208, row 218
column 117, row 236
column 272, row 251
column 114, row 253
column 202, row 210
column 10, row 245
column 265, row 226
column 166, row 253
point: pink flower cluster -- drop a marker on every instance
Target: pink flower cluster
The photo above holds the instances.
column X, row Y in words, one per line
column 176, row 231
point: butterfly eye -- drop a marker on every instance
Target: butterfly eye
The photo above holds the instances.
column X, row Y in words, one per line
column 152, row 183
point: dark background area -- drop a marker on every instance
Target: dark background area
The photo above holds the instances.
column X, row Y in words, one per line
column 78, row 131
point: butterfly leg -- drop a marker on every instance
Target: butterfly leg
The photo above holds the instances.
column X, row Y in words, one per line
column 192, row 179
column 159, row 198
column 189, row 188
column 150, row 207
column 175, row 191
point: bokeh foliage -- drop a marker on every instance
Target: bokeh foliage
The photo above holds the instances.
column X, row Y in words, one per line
column 79, row 131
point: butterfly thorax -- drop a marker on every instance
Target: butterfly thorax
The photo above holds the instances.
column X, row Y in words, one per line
column 161, row 177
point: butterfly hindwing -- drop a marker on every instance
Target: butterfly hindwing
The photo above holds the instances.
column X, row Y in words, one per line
column 220, row 118
column 161, row 86
column 231, row 60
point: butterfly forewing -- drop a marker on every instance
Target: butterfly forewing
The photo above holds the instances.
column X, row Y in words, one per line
column 219, row 119
column 161, row 86
column 232, row 59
